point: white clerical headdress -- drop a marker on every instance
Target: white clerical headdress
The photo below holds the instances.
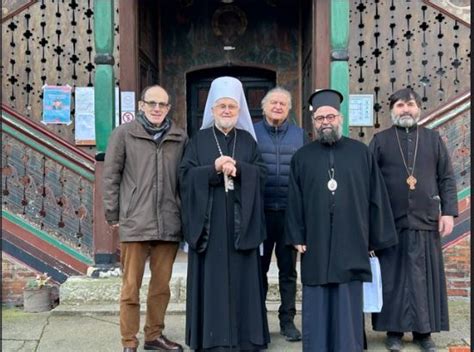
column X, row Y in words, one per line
column 228, row 87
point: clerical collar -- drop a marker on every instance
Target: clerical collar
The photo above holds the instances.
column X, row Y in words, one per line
column 329, row 145
column 222, row 132
column 406, row 129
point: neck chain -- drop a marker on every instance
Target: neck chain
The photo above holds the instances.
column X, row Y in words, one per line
column 228, row 180
column 411, row 180
column 219, row 146
column 332, row 183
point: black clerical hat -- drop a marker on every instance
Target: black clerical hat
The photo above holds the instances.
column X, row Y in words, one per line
column 325, row 97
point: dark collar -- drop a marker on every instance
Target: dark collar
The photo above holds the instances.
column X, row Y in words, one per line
column 406, row 129
column 276, row 129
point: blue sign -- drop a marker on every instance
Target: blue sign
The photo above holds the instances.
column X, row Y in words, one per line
column 57, row 105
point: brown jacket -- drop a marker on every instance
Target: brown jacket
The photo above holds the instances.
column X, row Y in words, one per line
column 141, row 183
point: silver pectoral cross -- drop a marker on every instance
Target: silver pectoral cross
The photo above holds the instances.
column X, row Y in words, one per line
column 228, row 183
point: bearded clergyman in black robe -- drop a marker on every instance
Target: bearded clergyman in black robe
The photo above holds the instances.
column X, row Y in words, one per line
column 338, row 211
column 222, row 177
column 419, row 177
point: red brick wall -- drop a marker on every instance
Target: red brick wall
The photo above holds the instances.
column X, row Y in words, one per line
column 14, row 278
column 457, row 263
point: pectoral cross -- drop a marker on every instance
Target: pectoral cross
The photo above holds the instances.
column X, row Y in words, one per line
column 411, row 181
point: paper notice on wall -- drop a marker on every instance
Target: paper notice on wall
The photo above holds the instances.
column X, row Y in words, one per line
column 57, row 105
column 84, row 131
column 117, row 107
column 361, row 110
column 127, row 106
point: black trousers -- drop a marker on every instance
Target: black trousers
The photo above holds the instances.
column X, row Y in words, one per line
column 286, row 261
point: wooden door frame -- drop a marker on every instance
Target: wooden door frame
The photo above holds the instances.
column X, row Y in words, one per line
column 129, row 61
column 128, row 22
column 321, row 60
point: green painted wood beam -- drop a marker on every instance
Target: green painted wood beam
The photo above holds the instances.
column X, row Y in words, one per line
column 46, row 237
column 339, row 75
column 450, row 115
column 104, row 105
column 339, row 24
column 466, row 192
column 104, row 26
column 48, row 152
column 340, row 82
column 104, row 81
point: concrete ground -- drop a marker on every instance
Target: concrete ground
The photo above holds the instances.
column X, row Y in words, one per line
column 92, row 330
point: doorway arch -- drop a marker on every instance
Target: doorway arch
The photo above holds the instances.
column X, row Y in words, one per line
column 256, row 83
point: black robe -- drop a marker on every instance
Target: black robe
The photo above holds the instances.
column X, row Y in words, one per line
column 225, row 301
column 337, row 245
column 413, row 278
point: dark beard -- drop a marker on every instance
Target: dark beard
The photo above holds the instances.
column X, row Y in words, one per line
column 328, row 137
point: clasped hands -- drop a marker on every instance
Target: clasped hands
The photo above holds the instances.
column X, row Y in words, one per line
column 226, row 165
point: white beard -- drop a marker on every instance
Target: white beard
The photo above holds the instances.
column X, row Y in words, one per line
column 225, row 125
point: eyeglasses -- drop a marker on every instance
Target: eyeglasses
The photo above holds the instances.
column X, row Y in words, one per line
column 223, row 107
column 329, row 118
column 153, row 104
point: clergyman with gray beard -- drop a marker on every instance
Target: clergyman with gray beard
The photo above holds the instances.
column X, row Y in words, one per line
column 419, row 177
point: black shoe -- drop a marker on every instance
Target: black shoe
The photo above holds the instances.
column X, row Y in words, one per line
column 290, row 331
column 394, row 343
column 161, row 343
column 426, row 343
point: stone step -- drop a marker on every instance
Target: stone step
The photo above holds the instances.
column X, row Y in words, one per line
column 84, row 292
column 111, row 309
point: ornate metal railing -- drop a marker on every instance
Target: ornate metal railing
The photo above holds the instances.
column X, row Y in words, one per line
column 47, row 182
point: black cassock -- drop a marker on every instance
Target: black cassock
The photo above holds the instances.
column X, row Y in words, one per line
column 361, row 219
column 338, row 228
column 414, row 284
column 225, row 301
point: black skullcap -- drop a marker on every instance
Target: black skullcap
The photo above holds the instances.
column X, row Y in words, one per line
column 325, row 97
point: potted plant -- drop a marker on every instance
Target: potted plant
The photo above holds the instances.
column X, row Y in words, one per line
column 37, row 294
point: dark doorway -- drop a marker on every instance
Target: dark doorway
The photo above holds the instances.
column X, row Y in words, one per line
column 256, row 83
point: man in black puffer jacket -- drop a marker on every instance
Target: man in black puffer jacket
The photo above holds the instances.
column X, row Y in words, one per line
column 278, row 140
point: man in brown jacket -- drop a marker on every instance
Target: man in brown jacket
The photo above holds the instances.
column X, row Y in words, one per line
column 141, row 199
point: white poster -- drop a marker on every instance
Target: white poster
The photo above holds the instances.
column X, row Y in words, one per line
column 85, row 117
column 117, row 107
column 361, row 110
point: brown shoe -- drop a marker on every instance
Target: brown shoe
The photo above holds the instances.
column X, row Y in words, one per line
column 161, row 343
column 129, row 349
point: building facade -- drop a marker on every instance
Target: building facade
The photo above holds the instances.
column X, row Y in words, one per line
column 52, row 219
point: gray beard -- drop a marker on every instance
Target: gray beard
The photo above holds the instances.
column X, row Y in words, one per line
column 405, row 123
column 224, row 126
column 329, row 137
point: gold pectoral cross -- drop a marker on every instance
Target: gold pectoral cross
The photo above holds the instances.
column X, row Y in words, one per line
column 411, row 181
